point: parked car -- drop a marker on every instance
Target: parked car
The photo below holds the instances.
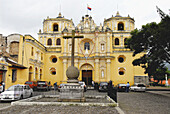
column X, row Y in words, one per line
column 61, row 85
column 103, row 86
column 16, row 92
column 32, row 84
column 83, row 85
column 1, row 88
column 43, row 85
column 138, row 87
column 121, row 87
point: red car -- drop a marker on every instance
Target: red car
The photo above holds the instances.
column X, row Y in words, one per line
column 32, row 84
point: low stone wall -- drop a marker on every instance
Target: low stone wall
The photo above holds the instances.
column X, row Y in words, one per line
column 33, row 101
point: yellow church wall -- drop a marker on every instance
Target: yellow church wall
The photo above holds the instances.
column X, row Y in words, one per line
column 128, row 75
column 58, row 77
column 20, row 79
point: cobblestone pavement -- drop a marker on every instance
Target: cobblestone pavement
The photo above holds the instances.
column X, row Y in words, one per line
column 50, row 109
column 130, row 103
column 164, row 93
column 59, row 110
column 143, row 103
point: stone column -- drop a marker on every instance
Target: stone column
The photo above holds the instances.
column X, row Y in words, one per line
column 39, row 73
column 108, row 69
column 76, row 63
column 53, row 40
column 108, row 45
column 64, row 69
column 76, row 47
column 96, row 70
column 97, row 44
column 34, row 72
column 65, row 47
column 121, row 41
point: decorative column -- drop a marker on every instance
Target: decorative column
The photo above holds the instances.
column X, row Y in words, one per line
column 34, row 72
column 96, row 79
column 121, row 40
column 97, row 44
column 65, row 47
column 39, row 73
column 64, row 69
column 53, row 40
column 76, row 47
column 108, row 69
column 108, row 44
column 76, row 63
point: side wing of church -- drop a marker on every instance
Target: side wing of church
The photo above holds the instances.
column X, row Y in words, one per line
column 100, row 56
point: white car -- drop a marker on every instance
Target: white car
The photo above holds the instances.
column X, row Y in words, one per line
column 1, row 88
column 16, row 92
column 138, row 87
column 83, row 85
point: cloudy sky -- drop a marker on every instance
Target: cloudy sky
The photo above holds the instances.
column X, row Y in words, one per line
column 26, row 16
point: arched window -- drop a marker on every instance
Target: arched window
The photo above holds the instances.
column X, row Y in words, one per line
column 53, row 71
column 36, row 73
column 58, row 42
column 125, row 41
column 55, row 27
column 102, row 73
column 30, row 73
column 116, row 41
column 32, row 51
column 121, row 71
column 86, row 45
column 40, row 74
column 120, row 26
column 102, row 47
column 49, row 42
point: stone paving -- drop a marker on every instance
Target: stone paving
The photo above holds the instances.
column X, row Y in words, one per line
column 130, row 103
column 61, row 109
column 143, row 103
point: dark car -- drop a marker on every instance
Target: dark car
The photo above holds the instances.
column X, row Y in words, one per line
column 121, row 87
column 103, row 86
column 43, row 85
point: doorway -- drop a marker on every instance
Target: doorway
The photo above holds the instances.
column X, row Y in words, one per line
column 87, row 77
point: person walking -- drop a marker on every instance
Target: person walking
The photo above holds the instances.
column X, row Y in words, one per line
column 127, row 87
column 3, row 85
column 92, row 83
column 55, row 86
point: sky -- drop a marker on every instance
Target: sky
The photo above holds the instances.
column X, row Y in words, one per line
column 26, row 16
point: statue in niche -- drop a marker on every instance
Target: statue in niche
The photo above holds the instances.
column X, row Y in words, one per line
column 87, row 24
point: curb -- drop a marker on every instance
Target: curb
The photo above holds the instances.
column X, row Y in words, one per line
column 27, row 101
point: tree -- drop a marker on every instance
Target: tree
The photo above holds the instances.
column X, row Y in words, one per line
column 154, row 39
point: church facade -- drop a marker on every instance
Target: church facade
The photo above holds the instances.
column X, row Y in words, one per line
column 100, row 56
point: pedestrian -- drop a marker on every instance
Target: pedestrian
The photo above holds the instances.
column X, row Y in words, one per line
column 127, row 87
column 92, row 83
column 3, row 84
column 55, row 86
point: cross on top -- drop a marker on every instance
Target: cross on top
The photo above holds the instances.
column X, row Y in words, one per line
column 72, row 52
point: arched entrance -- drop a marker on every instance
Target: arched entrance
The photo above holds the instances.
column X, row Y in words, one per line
column 36, row 73
column 30, row 73
column 87, row 74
